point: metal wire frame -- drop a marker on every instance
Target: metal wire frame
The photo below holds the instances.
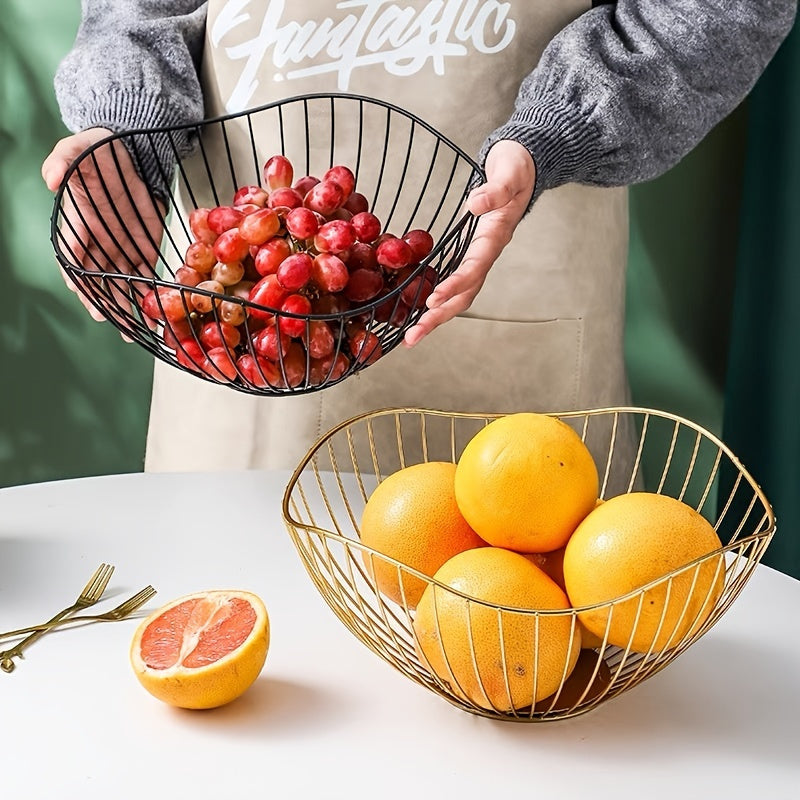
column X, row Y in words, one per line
column 326, row 494
column 120, row 248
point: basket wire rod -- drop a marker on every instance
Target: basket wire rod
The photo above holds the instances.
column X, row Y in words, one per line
column 610, row 457
column 535, row 661
column 374, row 451
column 137, row 212
column 96, row 291
column 257, row 166
column 440, row 639
column 585, row 428
column 334, row 568
column 383, row 157
column 745, row 517
column 378, row 626
column 503, row 660
column 556, row 696
column 423, row 436
column 359, row 139
column 92, row 241
column 444, row 195
column 712, row 477
column 425, row 184
column 228, row 153
column 670, row 456
column 627, row 652
column 282, row 131
column 170, row 188
column 729, row 502
column 356, row 470
column 399, row 438
column 402, row 179
column 691, row 466
column 637, row 460
column 356, row 602
column 331, row 156
column 308, row 136
column 324, row 494
column 309, row 513
column 396, row 650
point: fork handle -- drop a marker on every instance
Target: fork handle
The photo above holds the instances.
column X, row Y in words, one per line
column 7, row 656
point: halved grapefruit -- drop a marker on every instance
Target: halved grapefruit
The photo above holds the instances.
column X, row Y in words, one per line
column 202, row 650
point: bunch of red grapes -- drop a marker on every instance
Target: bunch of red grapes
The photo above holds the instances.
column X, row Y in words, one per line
column 294, row 250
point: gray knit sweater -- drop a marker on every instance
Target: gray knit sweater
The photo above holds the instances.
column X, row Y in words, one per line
column 619, row 96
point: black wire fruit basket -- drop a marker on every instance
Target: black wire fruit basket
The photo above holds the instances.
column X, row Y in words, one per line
column 298, row 258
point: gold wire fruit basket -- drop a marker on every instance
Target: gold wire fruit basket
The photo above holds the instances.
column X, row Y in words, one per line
column 635, row 449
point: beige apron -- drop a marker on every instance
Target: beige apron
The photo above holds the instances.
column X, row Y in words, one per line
column 545, row 333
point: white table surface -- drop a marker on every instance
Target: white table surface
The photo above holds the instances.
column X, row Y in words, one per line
column 327, row 718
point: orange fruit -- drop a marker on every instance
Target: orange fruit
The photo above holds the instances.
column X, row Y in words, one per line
column 525, row 481
column 590, row 671
column 496, row 659
column 552, row 564
column 202, row 650
column 629, row 541
column 412, row 517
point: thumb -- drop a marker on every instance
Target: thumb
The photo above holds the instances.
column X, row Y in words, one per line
column 55, row 166
column 489, row 196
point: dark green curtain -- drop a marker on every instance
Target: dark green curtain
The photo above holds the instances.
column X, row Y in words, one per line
column 762, row 398
column 73, row 396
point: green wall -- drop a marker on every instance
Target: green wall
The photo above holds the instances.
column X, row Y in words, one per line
column 73, row 398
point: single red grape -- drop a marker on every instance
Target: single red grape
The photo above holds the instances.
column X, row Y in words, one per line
column 329, row 273
column 219, row 334
column 186, row 276
column 356, row 203
column 223, row 218
column 420, row 242
column 344, row 177
column 302, row 185
column 278, row 172
column 267, row 292
column 362, row 256
column 270, row 256
column 302, row 223
column 200, row 256
column 198, row 223
column 294, row 272
column 250, row 195
column 284, row 198
column 335, row 236
column 367, row 226
column 363, row 285
column 230, row 247
column 271, row 343
column 324, row 197
column 258, row 227
column 365, row 347
column 394, row 253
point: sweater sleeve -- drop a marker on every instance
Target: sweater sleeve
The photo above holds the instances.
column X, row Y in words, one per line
column 135, row 64
column 620, row 95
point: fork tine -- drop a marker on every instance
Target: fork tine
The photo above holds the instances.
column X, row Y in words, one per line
column 94, row 590
column 96, row 575
column 132, row 603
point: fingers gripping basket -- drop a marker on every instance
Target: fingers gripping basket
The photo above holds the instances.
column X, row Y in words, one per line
column 123, row 244
column 327, row 493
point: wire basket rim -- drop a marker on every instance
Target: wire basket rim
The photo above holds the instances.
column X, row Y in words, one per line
column 736, row 544
column 222, row 118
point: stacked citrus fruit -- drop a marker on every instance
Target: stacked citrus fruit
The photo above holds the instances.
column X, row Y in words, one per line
column 530, row 566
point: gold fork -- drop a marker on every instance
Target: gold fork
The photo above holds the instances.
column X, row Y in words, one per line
column 123, row 610
column 89, row 595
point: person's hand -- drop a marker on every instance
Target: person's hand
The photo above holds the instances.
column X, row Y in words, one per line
column 110, row 223
column 501, row 203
